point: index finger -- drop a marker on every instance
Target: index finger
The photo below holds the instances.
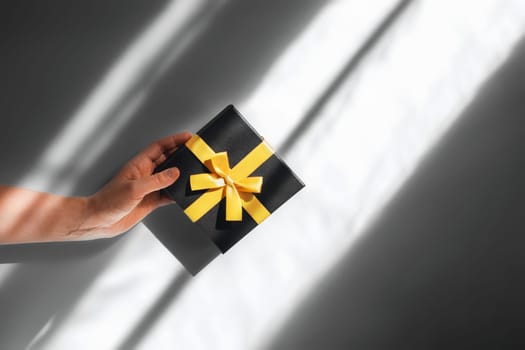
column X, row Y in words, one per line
column 159, row 147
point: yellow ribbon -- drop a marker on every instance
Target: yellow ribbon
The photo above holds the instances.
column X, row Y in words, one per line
column 223, row 181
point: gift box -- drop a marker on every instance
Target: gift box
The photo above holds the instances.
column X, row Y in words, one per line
column 230, row 179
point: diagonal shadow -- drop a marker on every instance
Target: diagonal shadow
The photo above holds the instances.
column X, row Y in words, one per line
column 192, row 87
column 442, row 266
column 37, row 95
column 139, row 331
column 36, row 291
column 353, row 64
column 125, row 106
column 169, row 295
column 220, row 67
column 50, row 252
column 51, row 58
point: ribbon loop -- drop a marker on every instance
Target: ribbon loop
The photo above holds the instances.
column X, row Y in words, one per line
column 250, row 184
column 219, row 164
column 205, row 181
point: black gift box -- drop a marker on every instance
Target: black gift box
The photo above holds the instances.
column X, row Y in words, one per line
column 229, row 132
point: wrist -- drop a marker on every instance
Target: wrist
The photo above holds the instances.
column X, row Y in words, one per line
column 84, row 207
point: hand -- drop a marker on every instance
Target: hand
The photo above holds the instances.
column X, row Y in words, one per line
column 132, row 194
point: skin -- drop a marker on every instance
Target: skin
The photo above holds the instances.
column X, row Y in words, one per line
column 28, row 216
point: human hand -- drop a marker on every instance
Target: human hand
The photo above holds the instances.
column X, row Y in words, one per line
column 132, row 194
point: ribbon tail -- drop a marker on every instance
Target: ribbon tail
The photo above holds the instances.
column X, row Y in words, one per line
column 254, row 207
column 204, row 203
column 233, row 204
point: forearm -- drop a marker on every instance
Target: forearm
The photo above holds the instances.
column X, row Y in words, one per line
column 31, row 216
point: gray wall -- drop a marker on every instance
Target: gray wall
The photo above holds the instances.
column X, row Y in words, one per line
column 443, row 265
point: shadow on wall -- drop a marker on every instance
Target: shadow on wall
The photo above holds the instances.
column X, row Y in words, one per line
column 443, row 264
column 55, row 55
column 51, row 58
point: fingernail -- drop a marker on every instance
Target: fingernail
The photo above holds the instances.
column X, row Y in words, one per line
column 172, row 172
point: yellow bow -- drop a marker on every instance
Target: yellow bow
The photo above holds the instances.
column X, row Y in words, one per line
column 223, row 181
column 223, row 177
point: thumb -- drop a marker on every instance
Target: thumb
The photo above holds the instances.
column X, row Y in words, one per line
column 156, row 181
